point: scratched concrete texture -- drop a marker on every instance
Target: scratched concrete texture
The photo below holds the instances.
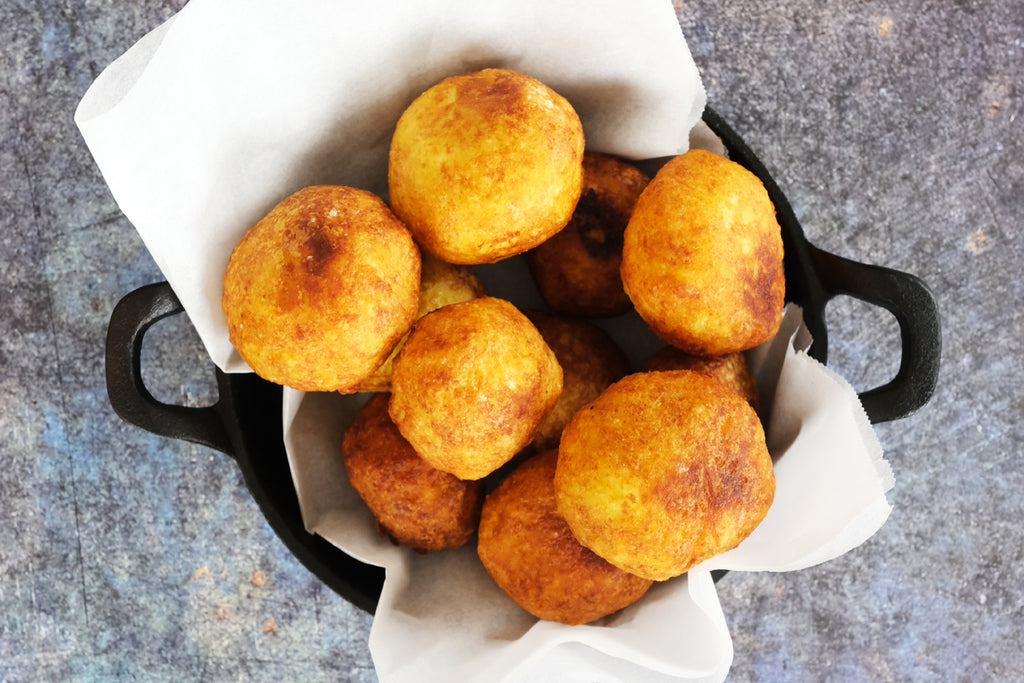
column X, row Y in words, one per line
column 895, row 130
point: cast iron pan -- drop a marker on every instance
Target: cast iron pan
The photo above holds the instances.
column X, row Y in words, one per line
column 246, row 424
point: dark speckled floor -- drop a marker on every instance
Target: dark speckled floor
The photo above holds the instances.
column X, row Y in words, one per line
column 895, row 129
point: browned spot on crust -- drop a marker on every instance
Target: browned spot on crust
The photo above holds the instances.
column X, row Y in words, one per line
column 577, row 271
column 492, row 92
column 319, row 250
column 289, row 293
column 600, row 228
column 762, row 296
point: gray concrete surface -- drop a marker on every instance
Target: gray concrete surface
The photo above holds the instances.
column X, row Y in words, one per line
column 895, row 129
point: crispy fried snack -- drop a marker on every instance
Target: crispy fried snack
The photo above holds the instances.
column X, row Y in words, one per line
column 485, row 165
column 662, row 471
column 318, row 292
column 472, row 384
column 529, row 551
column 730, row 369
column 440, row 284
column 577, row 270
column 702, row 256
column 590, row 362
column 413, row 502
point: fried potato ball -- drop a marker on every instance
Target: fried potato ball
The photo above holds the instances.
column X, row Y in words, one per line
column 441, row 284
column 531, row 554
column 318, row 291
column 702, row 256
column 446, row 283
column 730, row 369
column 590, row 362
column 472, row 384
column 577, row 270
column 485, row 165
column 662, row 471
column 413, row 502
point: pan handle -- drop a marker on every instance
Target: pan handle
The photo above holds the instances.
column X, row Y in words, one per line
column 913, row 305
column 132, row 317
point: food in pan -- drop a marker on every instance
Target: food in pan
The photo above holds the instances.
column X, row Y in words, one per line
column 639, row 477
column 529, row 551
column 441, row 283
column 577, row 270
column 471, row 385
column 590, row 362
column 319, row 290
column 662, row 471
column 485, row 165
column 413, row 502
column 731, row 369
column 702, row 256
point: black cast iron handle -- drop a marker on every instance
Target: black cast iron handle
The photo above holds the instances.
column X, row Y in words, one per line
column 132, row 317
column 217, row 426
column 911, row 302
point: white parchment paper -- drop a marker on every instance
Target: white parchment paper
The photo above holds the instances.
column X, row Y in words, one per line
column 217, row 115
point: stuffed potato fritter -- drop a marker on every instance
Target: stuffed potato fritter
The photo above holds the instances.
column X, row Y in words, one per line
column 413, row 502
column 318, row 292
column 662, row 471
column 577, row 270
column 702, row 256
column 485, row 165
column 529, row 551
column 730, row 369
column 590, row 362
column 471, row 385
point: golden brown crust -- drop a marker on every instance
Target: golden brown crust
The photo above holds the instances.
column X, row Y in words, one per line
column 485, row 165
column 577, row 269
column 662, row 471
column 702, row 256
column 472, row 384
column 731, row 370
column 590, row 362
column 528, row 549
column 413, row 502
column 446, row 283
column 318, row 292
column 440, row 284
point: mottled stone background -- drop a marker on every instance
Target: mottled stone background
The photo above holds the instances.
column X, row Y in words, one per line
column 895, row 129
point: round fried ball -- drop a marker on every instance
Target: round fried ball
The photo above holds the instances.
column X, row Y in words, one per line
column 577, row 270
column 590, row 362
column 731, row 370
column 441, row 284
column 318, row 292
column 413, row 502
column 472, row 384
column 529, row 551
column 662, row 471
column 702, row 256
column 485, row 165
